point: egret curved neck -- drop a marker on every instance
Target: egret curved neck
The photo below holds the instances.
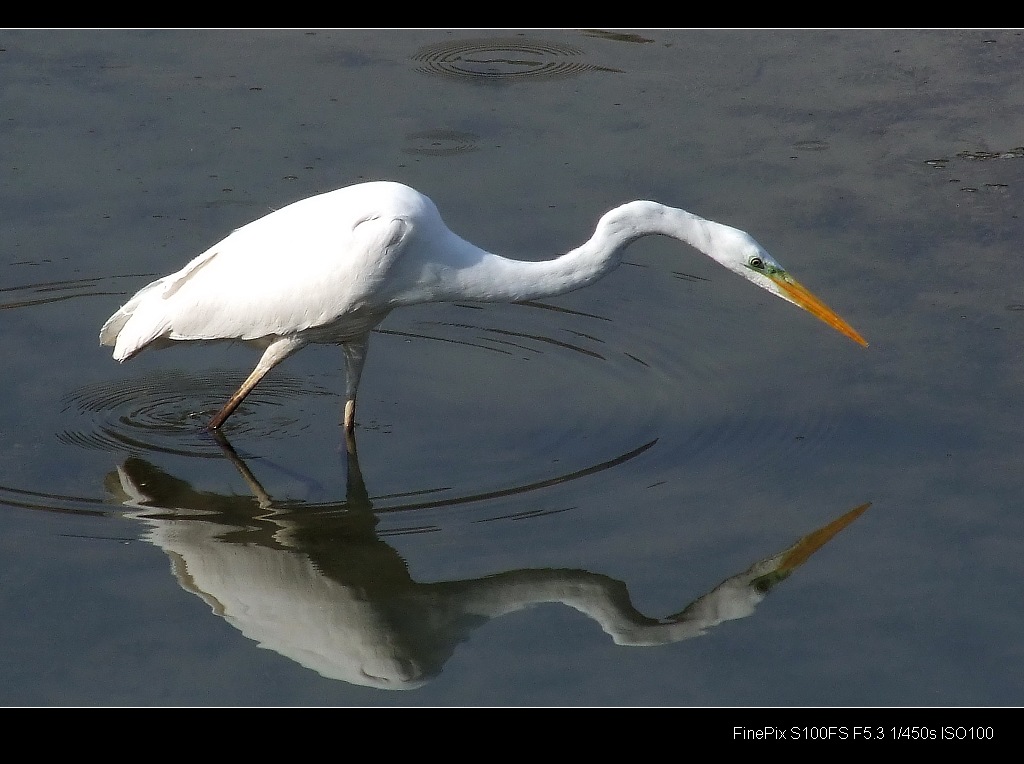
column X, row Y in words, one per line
column 450, row 268
column 488, row 277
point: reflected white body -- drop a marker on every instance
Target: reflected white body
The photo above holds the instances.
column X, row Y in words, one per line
column 327, row 592
column 400, row 638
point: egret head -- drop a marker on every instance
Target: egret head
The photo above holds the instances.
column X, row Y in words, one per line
column 741, row 254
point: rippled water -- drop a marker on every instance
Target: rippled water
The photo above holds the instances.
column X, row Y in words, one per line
column 496, row 59
column 666, row 489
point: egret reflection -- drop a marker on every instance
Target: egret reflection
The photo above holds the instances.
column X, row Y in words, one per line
column 319, row 585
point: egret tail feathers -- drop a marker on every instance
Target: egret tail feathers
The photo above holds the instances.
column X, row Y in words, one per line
column 132, row 328
column 113, row 326
column 129, row 330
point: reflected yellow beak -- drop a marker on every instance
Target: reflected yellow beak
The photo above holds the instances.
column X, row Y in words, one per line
column 799, row 295
column 797, row 554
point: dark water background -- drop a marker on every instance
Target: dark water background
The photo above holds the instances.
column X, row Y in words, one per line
column 576, row 502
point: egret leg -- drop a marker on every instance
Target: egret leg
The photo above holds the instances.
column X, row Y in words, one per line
column 355, row 356
column 272, row 356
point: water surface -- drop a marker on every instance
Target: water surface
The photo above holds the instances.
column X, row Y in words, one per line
column 666, row 489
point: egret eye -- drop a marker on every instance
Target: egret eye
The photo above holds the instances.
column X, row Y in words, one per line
column 756, row 263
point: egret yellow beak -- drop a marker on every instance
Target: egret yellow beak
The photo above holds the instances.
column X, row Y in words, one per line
column 796, row 293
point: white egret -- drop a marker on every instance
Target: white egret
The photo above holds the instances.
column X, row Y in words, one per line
column 328, row 269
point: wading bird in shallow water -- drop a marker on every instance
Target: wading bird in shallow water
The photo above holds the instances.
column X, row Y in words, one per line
column 328, row 269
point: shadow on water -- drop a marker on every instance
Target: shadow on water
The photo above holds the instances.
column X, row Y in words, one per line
column 320, row 586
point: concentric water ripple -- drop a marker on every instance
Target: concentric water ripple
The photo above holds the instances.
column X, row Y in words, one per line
column 615, row 389
column 143, row 489
column 502, row 59
column 167, row 412
column 621, row 382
